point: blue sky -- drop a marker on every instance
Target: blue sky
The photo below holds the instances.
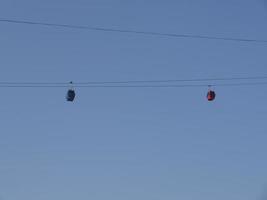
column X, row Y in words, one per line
column 132, row 143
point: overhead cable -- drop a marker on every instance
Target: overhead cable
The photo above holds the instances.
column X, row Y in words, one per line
column 219, row 79
column 139, row 86
column 129, row 31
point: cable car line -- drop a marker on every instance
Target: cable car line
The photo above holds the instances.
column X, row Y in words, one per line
column 211, row 94
column 71, row 94
column 138, row 86
column 148, row 33
column 65, row 84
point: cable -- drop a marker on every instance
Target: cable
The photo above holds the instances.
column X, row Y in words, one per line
column 138, row 86
column 139, row 81
column 148, row 33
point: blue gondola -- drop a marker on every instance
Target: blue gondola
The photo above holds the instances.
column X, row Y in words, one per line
column 70, row 95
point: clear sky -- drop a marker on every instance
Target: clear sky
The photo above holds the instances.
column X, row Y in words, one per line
column 145, row 144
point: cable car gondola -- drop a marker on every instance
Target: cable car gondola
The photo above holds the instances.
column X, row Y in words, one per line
column 70, row 94
column 211, row 95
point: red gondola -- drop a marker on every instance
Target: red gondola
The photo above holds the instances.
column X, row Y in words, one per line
column 211, row 95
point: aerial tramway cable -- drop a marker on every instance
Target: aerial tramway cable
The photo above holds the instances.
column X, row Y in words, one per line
column 129, row 31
